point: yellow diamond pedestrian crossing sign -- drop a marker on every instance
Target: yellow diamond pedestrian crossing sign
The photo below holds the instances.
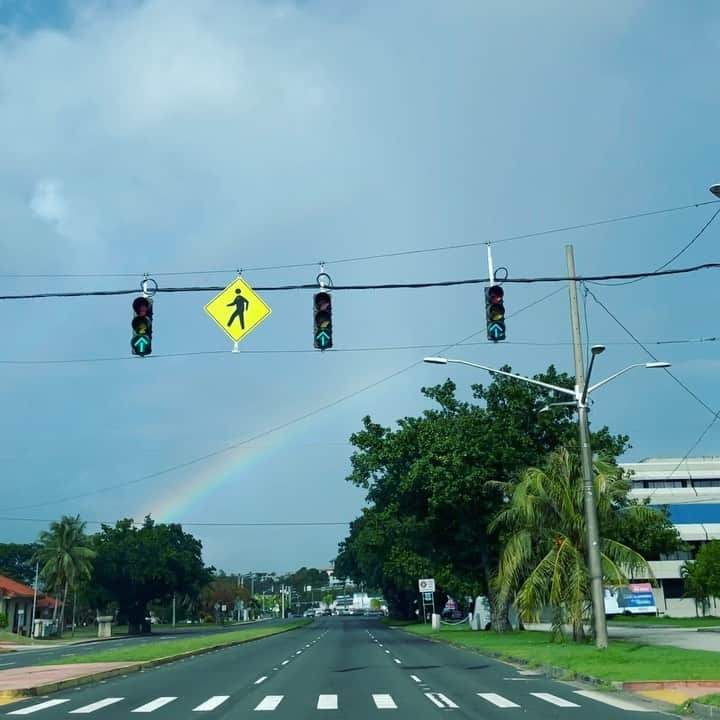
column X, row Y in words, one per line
column 238, row 309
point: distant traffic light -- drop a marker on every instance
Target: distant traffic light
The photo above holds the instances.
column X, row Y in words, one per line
column 141, row 342
column 495, row 313
column 322, row 321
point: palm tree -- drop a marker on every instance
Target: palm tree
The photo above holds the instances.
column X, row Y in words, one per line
column 543, row 563
column 65, row 558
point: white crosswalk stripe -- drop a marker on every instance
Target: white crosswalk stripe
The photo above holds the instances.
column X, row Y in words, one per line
column 614, row 700
column 211, row 703
column 384, row 702
column 327, row 702
column 440, row 700
column 39, row 706
column 92, row 707
column 555, row 700
column 153, row 705
column 269, row 702
column 498, row 700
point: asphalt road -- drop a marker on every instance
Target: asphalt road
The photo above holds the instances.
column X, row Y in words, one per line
column 36, row 654
column 354, row 667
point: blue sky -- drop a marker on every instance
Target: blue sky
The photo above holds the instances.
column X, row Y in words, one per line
column 167, row 137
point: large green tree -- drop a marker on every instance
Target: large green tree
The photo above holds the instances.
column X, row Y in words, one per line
column 138, row 565
column 702, row 575
column 434, row 484
column 65, row 558
column 544, row 560
column 16, row 561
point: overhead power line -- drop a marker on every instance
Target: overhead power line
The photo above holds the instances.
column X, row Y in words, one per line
column 204, row 523
column 376, row 286
column 377, row 256
column 265, row 433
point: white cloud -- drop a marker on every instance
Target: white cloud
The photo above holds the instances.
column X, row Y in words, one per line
column 49, row 205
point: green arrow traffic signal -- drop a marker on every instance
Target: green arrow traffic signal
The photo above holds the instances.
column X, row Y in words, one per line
column 141, row 342
column 322, row 321
column 495, row 313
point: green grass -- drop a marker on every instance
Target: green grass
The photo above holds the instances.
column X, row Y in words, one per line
column 167, row 648
column 622, row 661
column 666, row 621
column 392, row 622
column 709, row 700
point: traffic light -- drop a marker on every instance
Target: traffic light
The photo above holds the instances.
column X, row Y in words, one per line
column 322, row 316
column 495, row 313
column 141, row 342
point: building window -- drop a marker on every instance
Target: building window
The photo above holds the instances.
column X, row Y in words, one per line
column 673, row 588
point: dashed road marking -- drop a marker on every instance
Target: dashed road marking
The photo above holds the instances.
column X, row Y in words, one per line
column 416, row 678
column 284, row 662
column 260, row 680
column 397, row 661
column 610, row 699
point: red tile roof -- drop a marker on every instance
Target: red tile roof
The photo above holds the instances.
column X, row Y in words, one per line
column 10, row 588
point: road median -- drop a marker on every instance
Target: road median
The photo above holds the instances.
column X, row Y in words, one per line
column 53, row 675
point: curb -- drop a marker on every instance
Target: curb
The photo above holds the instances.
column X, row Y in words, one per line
column 133, row 667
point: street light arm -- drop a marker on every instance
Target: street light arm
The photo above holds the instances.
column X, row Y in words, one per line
column 612, row 377
column 556, row 388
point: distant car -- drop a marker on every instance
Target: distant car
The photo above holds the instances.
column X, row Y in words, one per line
column 327, row 611
column 309, row 613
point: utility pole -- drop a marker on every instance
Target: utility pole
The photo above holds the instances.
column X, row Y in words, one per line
column 597, row 589
column 173, row 624
column 35, row 589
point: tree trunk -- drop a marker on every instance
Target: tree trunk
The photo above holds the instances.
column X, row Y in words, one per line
column 578, row 631
column 137, row 624
column 499, row 606
column 62, row 616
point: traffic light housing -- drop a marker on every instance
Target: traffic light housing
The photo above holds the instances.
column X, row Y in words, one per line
column 495, row 313
column 322, row 321
column 141, row 342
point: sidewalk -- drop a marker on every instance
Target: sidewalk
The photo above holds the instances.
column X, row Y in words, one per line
column 41, row 679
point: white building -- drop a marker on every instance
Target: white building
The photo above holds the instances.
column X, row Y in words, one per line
column 691, row 490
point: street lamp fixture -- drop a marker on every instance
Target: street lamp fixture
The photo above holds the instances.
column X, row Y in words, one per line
column 715, row 190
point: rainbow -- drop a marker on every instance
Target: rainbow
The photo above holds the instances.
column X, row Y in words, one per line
column 207, row 476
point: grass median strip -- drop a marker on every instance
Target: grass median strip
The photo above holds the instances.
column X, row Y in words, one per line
column 167, row 648
column 709, row 700
column 622, row 661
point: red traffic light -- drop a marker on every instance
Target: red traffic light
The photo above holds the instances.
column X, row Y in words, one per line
column 141, row 306
column 495, row 294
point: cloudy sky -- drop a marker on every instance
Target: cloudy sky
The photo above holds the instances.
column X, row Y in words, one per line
column 190, row 140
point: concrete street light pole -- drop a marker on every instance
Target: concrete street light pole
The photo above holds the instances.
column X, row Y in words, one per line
column 579, row 394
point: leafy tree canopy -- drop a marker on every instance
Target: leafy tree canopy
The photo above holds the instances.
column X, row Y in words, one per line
column 16, row 561
column 137, row 565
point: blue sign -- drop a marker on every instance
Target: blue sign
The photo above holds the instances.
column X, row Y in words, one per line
column 427, row 597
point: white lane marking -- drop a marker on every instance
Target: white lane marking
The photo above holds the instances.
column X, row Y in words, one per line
column 529, row 672
column 40, row 706
column 259, row 680
column 440, row 700
column 397, row 661
column 498, row 700
column 384, row 702
column 298, row 652
column 416, row 678
column 380, row 644
column 269, row 702
column 92, row 707
column 284, row 662
column 211, row 703
column 6, row 664
column 387, row 651
column 308, row 645
column 524, row 679
column 610, row 699
column 154, row 704
column 554, row 699
column 327, row 702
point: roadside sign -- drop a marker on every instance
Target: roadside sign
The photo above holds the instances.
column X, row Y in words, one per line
column 427, row 585
column 427, row 597
column 238, row 309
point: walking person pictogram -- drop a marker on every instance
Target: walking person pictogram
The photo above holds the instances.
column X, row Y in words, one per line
column 240, row 304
